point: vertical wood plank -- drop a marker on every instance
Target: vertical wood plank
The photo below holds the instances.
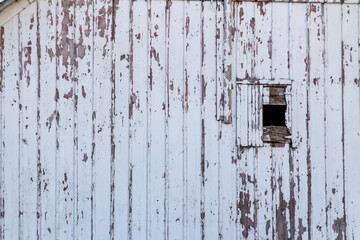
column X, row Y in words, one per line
column 281, row 193
column 138, row 131
column 103, row 88
column 258, row 116
column 254, row 120
column 220, row 98
column 175, row 185
column 333, row 116
column 280, row 44
column 210, row 125
column 229, row 59
column 228, row 145
column 263, row 16
column 84, row 111
column 249, row 40
column 156, row 120
column 243, row 115
column 48, row 117
column 316, row 122
column 280, row 155
column 251, row 114
column 227, row 179
column 299, row 75
column 65, row 214
column 263, row 173
column 246, row 193
column 240, row 41
column 351, row 117
column 10, row 124
column 192, row 124
column 28, row 87
column 121, row 121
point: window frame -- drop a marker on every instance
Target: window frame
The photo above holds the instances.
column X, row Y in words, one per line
column 248, row 110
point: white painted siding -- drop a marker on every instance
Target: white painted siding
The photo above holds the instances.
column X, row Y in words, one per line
column 125, row 120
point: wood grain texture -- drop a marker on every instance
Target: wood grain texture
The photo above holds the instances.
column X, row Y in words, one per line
column 111, row 126
column 84, row 48
column 11, row 131
column 28, row 87
column 48, row 117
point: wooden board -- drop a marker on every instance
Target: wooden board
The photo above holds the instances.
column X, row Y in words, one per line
column 10, row 132
column 299, row 65
column 48, row 117
column 121, row 59
column 84, row 48
column 333, row 106
column 29, row 132
column 351, row 116
column 111, row 128
column 316, row 118
column 192, row 120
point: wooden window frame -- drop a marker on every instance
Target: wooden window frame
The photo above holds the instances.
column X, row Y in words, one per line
column 250, row 129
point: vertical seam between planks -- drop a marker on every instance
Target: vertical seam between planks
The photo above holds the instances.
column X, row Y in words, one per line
column 112, row 122
column 343, row 116
column 291, row 159
column 307, row 120
column 253, row 44
column 222, row 112
column 19, row 129
column 39, row 175
column 183, row 121
column 2, row 203
column 255, row 158
column 19, row 83
column 75, row 129
column 220, row 223
column 76, row 134
column 185, row 132
column 272, row 29
column 147, row 119
column 129, row 202
column 166, row 184
column 272, row 192
column 219, row 125
column 57, row 118
column 166, row 93
column 130, row 119
column 237, row 189
column 202, row 178
column 1, row 126
column 288, row 45
column 247, row 75
column 292, row 194
column 92, row 120
column 324, row 56
column 219, row 113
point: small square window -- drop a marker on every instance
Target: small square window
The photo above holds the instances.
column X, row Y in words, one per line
column 263, row 112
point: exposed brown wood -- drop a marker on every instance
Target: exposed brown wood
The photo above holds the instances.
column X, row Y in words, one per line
column 276, row 134
column 141, row 151
column 277, row 96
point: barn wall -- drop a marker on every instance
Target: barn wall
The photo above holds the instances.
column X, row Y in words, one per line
column 110, row 122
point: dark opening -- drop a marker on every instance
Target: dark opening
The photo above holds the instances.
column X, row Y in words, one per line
column 274, row 115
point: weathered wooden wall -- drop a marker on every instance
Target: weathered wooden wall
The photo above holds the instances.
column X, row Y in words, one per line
column 109, row 124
